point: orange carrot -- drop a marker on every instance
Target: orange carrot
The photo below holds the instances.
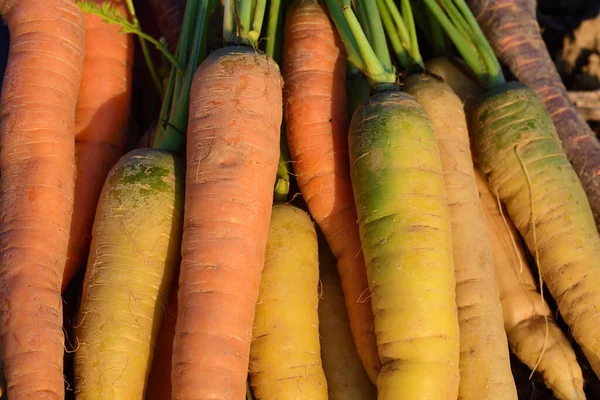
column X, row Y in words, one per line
column 37, row 132
column 232, row 158
column 101, row 122
column 314, row 72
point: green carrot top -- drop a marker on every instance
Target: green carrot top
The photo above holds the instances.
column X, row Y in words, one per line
column 365, row 44
column 191, row 50
column 402, row 33
column 462, row 28
column 243, row 21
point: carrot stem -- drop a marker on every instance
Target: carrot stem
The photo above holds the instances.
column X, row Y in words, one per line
column 353, row 53
column 412, row 31
column 170, row 135
column 145, row 51
column 378, row 40
column 393, row 33
column 257, row 21
column 229, row 22
column 459, row 23
column 273, row 47
column 401, row 29
column 244, row 13
column 375, row 71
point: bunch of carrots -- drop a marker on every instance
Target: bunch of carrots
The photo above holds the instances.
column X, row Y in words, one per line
column 312, row 209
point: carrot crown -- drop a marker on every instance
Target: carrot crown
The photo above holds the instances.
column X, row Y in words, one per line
column 366, row 45
column 462, row 28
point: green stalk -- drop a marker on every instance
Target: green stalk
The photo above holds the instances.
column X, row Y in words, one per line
column 481, row 42
column 273, row 45
column 378, row 40
column 229, row 22
column 437, row 35
column 473, row 47
column 273, row 48
column 244, row 12
column 257, row 22
column 401, row 29
column 412, row 31
column 430, row 27
column 393, row 34
column 170, row 136
column 463, row 45
column 455, row 16
column 376, row 72
column 352, row 51
column 145, row 50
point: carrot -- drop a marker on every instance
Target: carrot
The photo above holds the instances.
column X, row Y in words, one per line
column 346, row 377
column 232, row 157
column 159, row 380
column 133, row 257
column 526, row 314
column 454, row 75
column 134, row 253
column 484, row 365
column 285, row 358
column 484, row 360
column 101, row 124
column 314, row 72
column 37, row 130
column 518, row 150
column 404, row 225
column 512, row 29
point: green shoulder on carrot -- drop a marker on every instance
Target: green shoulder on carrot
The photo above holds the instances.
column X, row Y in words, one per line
column 520, row 154
column 135, row 249
column 404, row 223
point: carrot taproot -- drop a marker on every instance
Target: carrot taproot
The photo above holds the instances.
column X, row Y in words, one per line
column 285, row 357
column 518, row 150
column 101, row 125
column 511, row 27
column 521, row 156
column 37, row 130
column 404, row 225
column 235, row 117
column 314, row 72
column 484, row 362
column 484, row 355
column 344, row 371
column 135, row 246
column 526, row 314
column 133, row 258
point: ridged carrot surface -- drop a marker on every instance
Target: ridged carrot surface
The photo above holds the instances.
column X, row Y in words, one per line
column 101, row 124
column 314, row 72
column 37, row 130
column 232, row 158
